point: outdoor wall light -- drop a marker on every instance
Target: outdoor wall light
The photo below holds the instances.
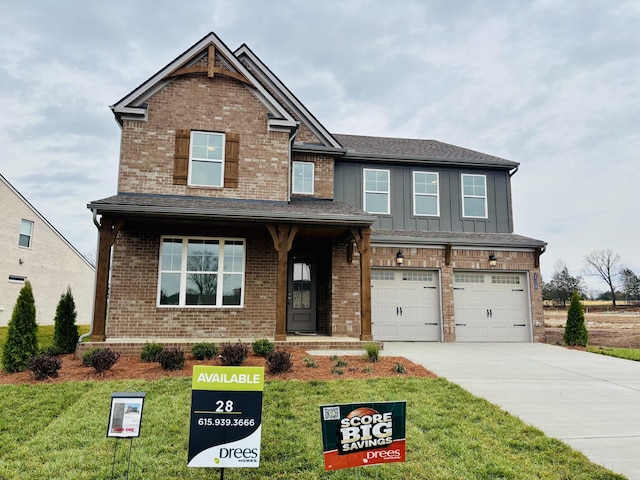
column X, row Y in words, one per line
column 399, row 258
column 493, row 261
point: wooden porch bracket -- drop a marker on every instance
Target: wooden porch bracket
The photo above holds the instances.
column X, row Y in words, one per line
column 362, row 238
column 108, row 232
column 282, row 236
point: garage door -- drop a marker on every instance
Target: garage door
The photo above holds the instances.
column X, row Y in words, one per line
column 405, row 305
column 491, row 307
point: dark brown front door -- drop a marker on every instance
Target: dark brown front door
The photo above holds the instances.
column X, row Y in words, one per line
column 301, row 295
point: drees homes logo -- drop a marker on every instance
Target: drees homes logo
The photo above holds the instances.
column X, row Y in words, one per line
column 365, row 428
column 240, row 455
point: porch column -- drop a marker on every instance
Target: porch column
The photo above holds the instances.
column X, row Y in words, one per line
column 282, row 236
column 363, row 241
column 107, row 236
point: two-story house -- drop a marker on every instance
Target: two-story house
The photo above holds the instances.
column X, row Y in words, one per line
column 31, row 249
column 238, row 215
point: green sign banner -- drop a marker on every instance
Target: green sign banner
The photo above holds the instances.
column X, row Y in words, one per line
column 226, row 416
column 359, row 434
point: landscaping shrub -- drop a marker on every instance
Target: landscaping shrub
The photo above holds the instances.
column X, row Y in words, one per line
column 50, row 350
column 65, row 333
column 22, row 340
column 44, row 366
column 204, row 351
column 171, row 359
column 373, row 351
column 263, row 347
column 150, row 352
column 279, row 361
column 398, row 368
column 102, row 359
column 575, row 331
column 233, row 353
column 86, row 356
column 310, row 362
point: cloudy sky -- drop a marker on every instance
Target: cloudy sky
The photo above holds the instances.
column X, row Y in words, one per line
column 552, row 84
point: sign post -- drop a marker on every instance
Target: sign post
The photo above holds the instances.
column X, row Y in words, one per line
column 226, row 417
column 356, row 435
column 125, row 418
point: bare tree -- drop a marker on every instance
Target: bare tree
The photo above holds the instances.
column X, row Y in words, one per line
column 605, row 264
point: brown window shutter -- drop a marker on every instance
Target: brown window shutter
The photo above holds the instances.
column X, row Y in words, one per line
column 181, row 157
column 231, row 158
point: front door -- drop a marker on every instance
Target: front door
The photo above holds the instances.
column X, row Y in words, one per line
column 301, row 295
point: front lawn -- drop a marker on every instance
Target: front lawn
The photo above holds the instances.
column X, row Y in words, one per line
column 626, row 353
column 59, row 431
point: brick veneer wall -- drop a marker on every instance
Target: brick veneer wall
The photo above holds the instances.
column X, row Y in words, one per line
column 323, row 174
column 345, row 284
column 132, row 305
column 212, row 104
column 464, row 259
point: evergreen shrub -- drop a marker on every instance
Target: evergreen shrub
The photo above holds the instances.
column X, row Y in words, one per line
column 263, row 347
column 575, row 331
column 65, row 332
column 22, row 340
column 204, row 351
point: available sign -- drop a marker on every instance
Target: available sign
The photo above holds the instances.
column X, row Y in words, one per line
column 355, row 435
column 226, row 416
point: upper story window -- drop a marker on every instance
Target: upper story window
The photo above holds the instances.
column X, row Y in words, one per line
column 303, row 177
column 474, row 196
column 206, row 159
column 201, row 272
column 26, row 231
column 426, row 194
column 376, row 191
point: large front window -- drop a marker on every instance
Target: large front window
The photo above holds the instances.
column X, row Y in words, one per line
column 376, row 191
column 201, row 272
column 425, row 194
column 474, row 196
column 206, row 159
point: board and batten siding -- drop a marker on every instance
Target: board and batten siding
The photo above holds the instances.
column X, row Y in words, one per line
column 349, row 189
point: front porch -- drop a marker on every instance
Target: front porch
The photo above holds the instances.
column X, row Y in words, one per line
column 133, row 346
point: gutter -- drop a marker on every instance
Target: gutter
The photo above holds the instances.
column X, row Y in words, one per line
column 514, row 171
column 95, row 280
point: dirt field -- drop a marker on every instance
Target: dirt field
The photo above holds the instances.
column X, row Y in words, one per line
column 606, row 329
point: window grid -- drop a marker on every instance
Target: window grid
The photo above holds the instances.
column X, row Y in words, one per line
column 376, row 191
column 303, row 177
column 206, row 159
column 505, row 279
column 382, row 275
column 474, row 196
column 426, row 194
column 201, row 272
column 469, row 278
column 417, row 276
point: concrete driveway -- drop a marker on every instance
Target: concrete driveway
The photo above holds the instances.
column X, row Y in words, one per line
column 589, row 401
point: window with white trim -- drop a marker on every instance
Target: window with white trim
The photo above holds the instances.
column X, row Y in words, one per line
column 426, row 194
column 303, row 177
column 201, row 272
column 474, row 196
column 206, row 159
column 26, row 232
column 376, row 191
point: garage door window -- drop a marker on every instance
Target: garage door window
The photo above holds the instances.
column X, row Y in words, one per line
column 382, row 275
column 417, row 276
column 505, row 279
column 469, row 278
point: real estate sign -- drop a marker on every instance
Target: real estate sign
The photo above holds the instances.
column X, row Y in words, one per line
column 355, row 435
column 226, row 416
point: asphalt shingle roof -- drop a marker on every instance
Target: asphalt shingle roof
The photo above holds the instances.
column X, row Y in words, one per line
column 456, row 238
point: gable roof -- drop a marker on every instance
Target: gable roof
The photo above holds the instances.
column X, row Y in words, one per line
column 13, row 190
column 133, row 106
column 361, row 147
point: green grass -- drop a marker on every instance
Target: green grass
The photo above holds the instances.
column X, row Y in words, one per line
column 45, row 334
column 626, row 353
column 59, row 431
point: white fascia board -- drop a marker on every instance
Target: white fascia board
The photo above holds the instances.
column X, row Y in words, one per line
column 268, row 77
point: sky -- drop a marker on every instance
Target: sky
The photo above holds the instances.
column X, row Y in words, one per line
column 551, row 84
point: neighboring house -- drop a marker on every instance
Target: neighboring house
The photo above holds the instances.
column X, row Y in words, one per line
column 238, row 215
column 32, row 249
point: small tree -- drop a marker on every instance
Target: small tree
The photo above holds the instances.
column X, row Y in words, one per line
column 22, row 340
column 604, row 264
column 561, row 286
column 575, row 332
column 65, row 333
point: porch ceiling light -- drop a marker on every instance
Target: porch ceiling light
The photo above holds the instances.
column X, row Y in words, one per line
column 493, row 261
column 399, row 258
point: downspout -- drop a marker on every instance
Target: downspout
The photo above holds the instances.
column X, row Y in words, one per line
column 511, row 174
column 95, row 280
column 292, row 138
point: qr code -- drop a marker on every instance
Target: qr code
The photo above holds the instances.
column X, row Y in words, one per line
column 331, row 413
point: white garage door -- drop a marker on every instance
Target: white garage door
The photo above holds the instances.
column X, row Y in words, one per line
column 491, row 307
column 405, row 305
